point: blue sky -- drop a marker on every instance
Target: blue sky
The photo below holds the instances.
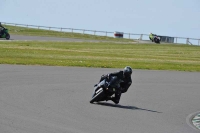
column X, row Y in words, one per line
column 164, row 17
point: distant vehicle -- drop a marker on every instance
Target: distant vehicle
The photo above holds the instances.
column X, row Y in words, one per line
column 4, row 33
column 154, row 38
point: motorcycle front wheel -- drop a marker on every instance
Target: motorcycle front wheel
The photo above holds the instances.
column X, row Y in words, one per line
column 7, row 36
column 98, row 96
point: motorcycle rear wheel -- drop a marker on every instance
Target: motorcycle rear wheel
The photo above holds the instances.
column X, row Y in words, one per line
column 7, row 36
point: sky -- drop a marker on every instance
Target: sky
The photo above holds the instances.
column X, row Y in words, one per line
column 180, row 18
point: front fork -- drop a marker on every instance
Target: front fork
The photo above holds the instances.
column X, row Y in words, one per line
column 102, row 84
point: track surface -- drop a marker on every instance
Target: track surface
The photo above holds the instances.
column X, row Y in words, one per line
column 44, row 99
column 39, row 38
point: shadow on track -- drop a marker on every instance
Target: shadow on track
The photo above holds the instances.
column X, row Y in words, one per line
column 124, row 107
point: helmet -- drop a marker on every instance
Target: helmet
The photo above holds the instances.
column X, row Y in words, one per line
column 127, row 71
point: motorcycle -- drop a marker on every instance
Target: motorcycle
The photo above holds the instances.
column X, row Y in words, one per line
column 4, row 33
column 105, row 89
column 156, row 39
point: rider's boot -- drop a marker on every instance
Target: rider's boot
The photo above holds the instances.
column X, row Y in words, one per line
column 112, row 99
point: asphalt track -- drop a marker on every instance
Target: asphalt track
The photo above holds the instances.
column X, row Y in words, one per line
column 40, row 38
column 47, row 99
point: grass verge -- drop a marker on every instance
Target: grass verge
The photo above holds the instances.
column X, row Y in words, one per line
column 16, row 30
column 104, row 55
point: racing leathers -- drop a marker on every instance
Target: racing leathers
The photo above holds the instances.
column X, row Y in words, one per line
column 1, row 29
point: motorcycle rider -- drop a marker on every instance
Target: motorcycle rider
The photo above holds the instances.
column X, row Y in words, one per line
column 126, row 81
column 1, row 29
column 151, row 36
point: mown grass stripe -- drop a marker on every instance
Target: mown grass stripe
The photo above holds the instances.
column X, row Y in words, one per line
column 112, row 55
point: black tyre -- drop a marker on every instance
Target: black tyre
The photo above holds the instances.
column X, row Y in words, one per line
column 158, row 41
column 98, row 96
column 155, row 40
column 7, row 36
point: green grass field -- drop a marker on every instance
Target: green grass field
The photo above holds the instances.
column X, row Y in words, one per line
column 16, row 30
column 104, row 55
